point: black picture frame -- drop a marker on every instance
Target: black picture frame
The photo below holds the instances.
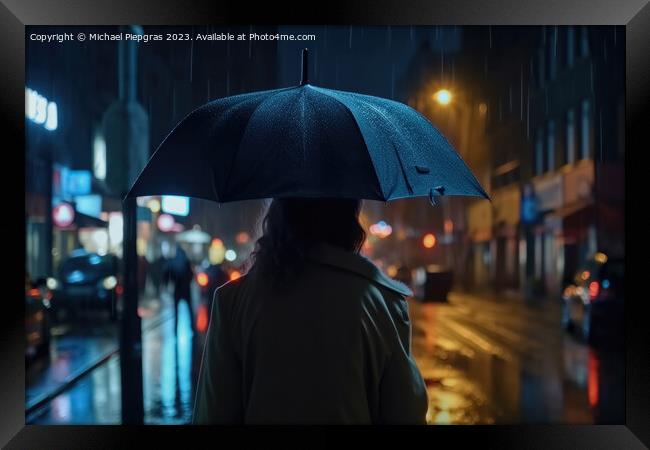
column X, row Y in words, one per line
column 16, row 14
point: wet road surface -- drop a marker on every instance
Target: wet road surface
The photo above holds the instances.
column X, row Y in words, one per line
column 485, row 360
column 502, row 360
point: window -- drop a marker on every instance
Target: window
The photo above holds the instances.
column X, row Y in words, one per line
column 541, row 66
column 585, row 130
column 552, row 54
column 570, row 46
column 539, row 152
column 584, row 42
column 550, row 146
column 570, row 156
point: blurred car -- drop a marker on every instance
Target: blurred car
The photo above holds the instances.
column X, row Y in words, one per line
column 87, row 281
column 37, row 318
column 592, row 303
column 437, row 284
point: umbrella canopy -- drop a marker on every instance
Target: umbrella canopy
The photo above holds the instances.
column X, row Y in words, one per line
column 305, row 141
column 194, row 236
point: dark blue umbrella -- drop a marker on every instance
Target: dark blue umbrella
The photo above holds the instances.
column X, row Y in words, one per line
column 305, row 141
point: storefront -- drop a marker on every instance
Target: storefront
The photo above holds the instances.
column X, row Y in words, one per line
column 548, row 255
column 506, row 213
column 36, row 230
column 577, row 216
column 480, row 231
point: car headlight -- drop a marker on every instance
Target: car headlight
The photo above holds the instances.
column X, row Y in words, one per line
column 52, row 283
column 109, row 283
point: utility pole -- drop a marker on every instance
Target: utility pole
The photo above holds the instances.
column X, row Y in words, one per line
column 126, row 130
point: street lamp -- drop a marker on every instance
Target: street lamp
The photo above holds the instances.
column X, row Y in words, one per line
column 429, row 240
column 443, row 96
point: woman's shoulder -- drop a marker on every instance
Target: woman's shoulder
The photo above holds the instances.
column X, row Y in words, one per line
column 231, row 286
column 362, row 269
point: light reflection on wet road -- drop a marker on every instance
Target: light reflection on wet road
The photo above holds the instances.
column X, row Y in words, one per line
column 504, row 361
column 169, row 375
column 484, row 361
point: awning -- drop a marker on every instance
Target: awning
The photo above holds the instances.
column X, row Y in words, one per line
column 82, row 220
column 567, row 211
column 576, row 219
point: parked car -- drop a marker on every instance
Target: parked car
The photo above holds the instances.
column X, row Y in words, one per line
column 37, row 318
column 592, row 303
column 88, row 281
column 438, row 283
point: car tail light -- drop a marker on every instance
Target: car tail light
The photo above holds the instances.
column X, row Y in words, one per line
column 202, row 279
column 202, row 319
column 119, row 289
column 594, row 289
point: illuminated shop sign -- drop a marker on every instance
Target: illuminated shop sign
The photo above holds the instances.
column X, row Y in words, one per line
column 40, row 110
column 172, row 204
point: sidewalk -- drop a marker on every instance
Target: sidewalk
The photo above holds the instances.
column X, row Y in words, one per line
column 75, row 354
column 170, row 360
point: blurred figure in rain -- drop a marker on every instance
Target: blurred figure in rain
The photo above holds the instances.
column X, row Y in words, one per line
column 156, row 268
column 313, row 333
column 143, row 269
column 179, row 271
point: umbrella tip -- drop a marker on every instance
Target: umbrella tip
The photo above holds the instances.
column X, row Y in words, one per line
column 304, row 75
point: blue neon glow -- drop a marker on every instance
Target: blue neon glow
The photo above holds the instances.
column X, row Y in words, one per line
column 173, row 204
column 41, row 111
column 75, row 277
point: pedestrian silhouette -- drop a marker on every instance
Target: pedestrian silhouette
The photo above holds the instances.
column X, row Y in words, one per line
column 179, row 271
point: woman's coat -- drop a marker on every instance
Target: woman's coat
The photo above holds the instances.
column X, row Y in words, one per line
column 332, row 348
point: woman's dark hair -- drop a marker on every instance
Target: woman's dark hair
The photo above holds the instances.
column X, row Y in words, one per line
column 292, row 226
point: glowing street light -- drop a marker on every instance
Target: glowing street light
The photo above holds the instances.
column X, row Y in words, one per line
column 443, row 96
column 154, row 205
column 429, row 240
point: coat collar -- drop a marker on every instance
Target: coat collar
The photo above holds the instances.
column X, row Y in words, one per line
column 353, row 262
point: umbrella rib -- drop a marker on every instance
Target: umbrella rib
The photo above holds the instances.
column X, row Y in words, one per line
column 324, row 92
column 409, row 186
column 236, row 152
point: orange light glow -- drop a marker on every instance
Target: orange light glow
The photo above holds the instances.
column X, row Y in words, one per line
column 429, row 240
column 216, row 242
column 242, row 237
column 443, row 96
column 234, row 275
column 449, row 226
column 202, row 319
column 202, row 279
column 585, row 275
column 34, row 293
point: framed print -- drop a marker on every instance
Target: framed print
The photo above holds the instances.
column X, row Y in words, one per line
column 264, row 218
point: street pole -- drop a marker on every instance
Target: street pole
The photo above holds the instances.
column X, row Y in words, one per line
column 130, row 333
column 49, row 228
column 126, row 130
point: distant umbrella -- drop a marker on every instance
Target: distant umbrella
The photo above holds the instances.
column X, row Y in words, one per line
column 305, row 141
